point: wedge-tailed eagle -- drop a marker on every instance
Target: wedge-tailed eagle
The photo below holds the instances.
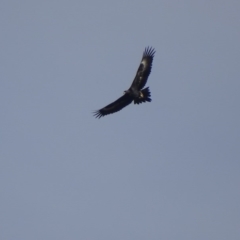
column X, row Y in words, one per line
column 136, row 92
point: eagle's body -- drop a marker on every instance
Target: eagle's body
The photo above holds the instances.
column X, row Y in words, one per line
column 136, row 92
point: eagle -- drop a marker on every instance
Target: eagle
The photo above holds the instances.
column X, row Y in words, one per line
column 136, row 92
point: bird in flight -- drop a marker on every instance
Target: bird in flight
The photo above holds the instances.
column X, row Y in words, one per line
column 136, row 92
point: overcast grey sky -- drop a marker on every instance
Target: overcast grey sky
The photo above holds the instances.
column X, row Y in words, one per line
column 168, row 169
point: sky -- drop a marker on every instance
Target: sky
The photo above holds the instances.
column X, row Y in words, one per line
column 168, row 169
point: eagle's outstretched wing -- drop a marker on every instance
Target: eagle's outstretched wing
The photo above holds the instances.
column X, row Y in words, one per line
column 144, row 69
column 114, row 107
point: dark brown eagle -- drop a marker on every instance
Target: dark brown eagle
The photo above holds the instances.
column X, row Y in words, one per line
column 136, row 92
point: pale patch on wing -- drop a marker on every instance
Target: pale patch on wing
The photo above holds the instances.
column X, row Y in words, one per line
column 143, row 67
column 144, row 63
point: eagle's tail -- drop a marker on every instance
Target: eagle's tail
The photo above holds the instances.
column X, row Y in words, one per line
column 144, row 96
